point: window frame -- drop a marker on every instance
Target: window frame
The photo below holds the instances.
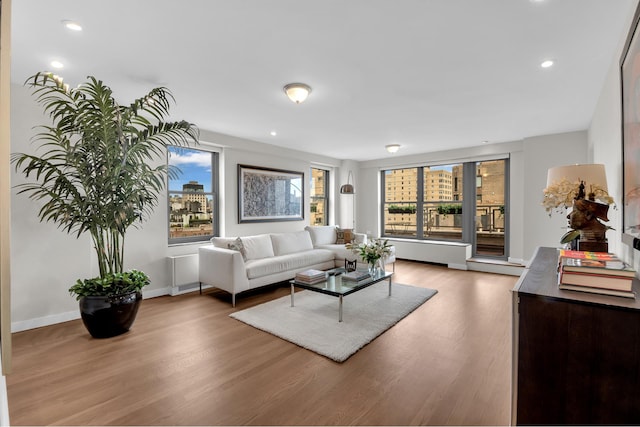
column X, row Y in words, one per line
column 326, row 198
column 214, row 194
column 469, row 192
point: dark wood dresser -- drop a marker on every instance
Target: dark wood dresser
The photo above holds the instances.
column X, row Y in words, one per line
column 576, row 356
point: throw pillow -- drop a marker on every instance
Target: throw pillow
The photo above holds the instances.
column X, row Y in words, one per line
column 258, row 247
column 344, row 235
column 237, row 245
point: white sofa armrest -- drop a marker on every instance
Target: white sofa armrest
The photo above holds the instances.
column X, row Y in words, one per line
column 223, row 269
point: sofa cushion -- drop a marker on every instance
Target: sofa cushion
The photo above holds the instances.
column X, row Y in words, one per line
column 322, row 234
column 288, row 243
column 222, row 242
column 278, row 264
column 344, row 235
column 237, row 245
column 341, row 252
column 257, row 247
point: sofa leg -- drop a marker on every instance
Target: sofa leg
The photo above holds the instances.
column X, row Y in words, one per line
column 233, row 300
column 200, row 288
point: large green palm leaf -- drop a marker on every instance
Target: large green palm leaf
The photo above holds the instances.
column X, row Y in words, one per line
column 93, row 171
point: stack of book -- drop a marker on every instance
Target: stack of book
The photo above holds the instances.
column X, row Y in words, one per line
column 595, row 272
column 355, row 276
column 311, row 276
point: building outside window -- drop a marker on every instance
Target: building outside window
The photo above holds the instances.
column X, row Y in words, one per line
column 319, row 197
column 192, row 195
column 400, row 204
column 433, row 205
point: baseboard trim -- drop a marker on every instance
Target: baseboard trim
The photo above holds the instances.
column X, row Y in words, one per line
column 153, row 293
column 517, row 261
column 39, row 322
column 458, row 266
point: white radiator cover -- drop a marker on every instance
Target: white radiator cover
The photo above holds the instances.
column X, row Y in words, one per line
column 183, row 270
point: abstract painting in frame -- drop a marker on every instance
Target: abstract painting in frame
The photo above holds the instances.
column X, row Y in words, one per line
column 266, row 194
column 630, row 98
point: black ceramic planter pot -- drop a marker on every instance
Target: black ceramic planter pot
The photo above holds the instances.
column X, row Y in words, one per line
column 108, row 316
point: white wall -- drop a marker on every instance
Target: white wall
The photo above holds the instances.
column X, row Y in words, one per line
column 541, row 153
column 530, row 159
column 605, row 144
column 45, row 262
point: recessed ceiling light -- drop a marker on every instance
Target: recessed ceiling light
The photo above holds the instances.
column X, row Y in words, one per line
column 57, row 64
column 72, row 25
column 546, row 64
column 273, row 133
column 485, row 142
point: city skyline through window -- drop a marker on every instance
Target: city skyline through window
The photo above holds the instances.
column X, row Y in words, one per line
column 193, row 209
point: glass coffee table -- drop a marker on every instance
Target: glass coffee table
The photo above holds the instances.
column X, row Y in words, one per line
column 335, row 286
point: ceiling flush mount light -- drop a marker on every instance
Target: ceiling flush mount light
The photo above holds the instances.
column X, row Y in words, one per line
column 72, row 25
column 392, row 148
column 546, row 64
column 57, row 64
column 297, row 92
column 273, row 133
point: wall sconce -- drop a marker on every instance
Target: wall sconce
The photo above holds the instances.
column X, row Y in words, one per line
column 297, row 92
column 392, row 148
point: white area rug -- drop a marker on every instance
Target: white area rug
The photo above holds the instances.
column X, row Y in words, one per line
column 313, row 322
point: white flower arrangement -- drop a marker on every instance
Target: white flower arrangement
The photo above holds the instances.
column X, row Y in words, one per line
column 372, row 251
column 560, row 195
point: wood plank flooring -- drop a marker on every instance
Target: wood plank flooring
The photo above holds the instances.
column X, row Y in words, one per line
column 185, row 362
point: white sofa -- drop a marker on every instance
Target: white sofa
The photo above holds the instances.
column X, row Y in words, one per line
column 239, row 264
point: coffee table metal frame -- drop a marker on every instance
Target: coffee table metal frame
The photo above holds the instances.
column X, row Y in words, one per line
column 335, row 286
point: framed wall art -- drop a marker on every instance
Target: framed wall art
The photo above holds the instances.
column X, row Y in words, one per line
column 630, row 99
column 266, row 194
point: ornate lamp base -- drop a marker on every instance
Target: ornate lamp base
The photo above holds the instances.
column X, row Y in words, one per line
column 593, row 245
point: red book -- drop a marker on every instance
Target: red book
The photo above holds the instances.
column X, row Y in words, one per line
column 603, row 256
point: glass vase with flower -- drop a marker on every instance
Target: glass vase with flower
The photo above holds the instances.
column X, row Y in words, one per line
column 373, row 253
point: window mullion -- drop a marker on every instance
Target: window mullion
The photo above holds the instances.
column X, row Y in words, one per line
column 420, row 204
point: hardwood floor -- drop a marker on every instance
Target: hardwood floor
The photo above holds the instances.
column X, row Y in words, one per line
column 185, row 362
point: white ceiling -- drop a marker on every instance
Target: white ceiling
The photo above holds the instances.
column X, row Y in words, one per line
column 427, row 74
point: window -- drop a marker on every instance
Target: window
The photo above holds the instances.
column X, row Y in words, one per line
column 192, row 195
column 459, row 205
column 319, row 197
column 399, row 212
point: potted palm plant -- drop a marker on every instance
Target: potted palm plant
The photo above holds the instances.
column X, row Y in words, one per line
column 94, row 173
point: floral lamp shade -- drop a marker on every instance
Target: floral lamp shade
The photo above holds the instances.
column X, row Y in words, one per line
column 563, row 185
column 584, row 188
